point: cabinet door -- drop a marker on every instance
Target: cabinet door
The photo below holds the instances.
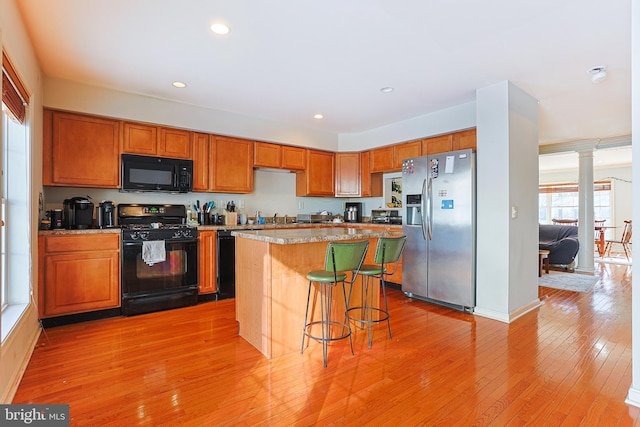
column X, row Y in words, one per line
column 80, row 282
column 79, row 150
column 370, row 183
column 293, row 158
column 200, row 153
column 207, row 262
column 381, row 159
column 140, row 139
column 174, row 143
column 347, row 175
column 318, row 177
column 437, row 144
column 232, row 165
column 464, row 139
column 406, row 150
column 267, row 155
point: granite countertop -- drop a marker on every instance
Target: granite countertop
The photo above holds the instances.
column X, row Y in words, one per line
column 312, row 235
column 290, row 226
column 63, row 231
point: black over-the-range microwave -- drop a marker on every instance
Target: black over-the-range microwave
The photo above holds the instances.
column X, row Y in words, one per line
column 148, row 173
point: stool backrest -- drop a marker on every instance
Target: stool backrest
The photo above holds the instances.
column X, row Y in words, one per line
column 389, row 249
column 346, row 256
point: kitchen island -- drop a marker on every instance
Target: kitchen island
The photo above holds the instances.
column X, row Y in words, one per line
column 271, row 283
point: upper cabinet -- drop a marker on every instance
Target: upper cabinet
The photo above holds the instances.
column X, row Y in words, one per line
column 370, row 183
column 267, row 155
column 450, row 142
column 465, row 139
column 200, row 150
column 381, row 159
column 437, row 144
column 318, row 177
column 406, row 150
column 80, row 150
column 231, row 164
column 174, row 143
column 293, row 158
column 348, row 175
column 152, row 140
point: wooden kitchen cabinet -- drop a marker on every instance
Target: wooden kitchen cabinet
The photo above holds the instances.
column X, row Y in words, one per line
column 231, row 165
column 174, row 143
column 293, row 158
column 200, row 149
column 465, row 139
column 149, row 140
column 207, row 262
column 437, row 144
column 267, row 155
column 138, row 138
column 80, row 150
column 318, row 177
column 370, row 183
column 381, row 159
column 78, row 273
column 347, row 175
column 406, row 150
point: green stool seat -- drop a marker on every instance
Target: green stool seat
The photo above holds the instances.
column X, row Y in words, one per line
column 388, row 251
column 342, row 259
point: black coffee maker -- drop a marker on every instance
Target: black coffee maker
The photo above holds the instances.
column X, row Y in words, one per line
column 106, row 214
column 78, row 213
column 353, row 212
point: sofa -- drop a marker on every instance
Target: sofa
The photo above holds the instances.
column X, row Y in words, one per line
column 561, row 241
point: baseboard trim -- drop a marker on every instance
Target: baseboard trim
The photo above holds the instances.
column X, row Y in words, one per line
column 507, row 317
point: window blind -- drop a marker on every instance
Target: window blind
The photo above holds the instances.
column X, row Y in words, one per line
column 14, row 94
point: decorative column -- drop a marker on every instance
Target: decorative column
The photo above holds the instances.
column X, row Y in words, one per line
column 586, row 231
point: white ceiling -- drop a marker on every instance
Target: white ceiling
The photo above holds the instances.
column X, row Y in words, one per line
column 286, row 60
column 604, row 158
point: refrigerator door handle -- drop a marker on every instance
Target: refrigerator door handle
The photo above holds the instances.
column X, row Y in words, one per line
column 428, row 211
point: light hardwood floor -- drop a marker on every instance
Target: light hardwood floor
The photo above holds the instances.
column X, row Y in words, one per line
column 567, row 363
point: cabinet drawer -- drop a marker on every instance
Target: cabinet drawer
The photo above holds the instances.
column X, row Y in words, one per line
column 82, row 242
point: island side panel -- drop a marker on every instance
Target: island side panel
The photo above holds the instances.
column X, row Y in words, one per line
column 253, row 288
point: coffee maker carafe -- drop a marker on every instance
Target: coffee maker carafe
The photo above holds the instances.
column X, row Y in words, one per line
column 353, row 212
column 106, row 214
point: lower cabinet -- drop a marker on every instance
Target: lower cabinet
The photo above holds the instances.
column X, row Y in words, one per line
column 207, row 262
column 78, row 273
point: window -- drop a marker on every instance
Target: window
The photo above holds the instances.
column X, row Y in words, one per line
column 560, row 201
column 15, row 235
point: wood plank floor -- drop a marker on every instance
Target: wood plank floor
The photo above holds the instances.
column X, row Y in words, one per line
column 566, row 364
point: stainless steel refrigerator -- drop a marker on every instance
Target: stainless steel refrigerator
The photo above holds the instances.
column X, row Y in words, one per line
column 438, row 194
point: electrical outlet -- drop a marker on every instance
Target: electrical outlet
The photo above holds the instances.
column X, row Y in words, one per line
column 514, row 212
column 300, row 205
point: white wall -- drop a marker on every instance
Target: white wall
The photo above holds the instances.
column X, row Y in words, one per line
column 441, row 122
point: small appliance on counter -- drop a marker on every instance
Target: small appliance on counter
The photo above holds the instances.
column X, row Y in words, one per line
column 353, row 212
column 385, row 216
column 106, row 214
column 55, row 220
column 78, row 213
column 314, row 218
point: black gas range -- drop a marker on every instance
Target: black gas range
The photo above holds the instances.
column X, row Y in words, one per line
column 159, row 258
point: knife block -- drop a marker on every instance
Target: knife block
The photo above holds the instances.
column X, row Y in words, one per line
column 230, row 218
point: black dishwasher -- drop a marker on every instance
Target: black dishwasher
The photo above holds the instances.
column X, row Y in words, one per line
column 226, row 264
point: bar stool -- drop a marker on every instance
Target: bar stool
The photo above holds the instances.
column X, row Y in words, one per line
column 388, row 251
column 342, row 259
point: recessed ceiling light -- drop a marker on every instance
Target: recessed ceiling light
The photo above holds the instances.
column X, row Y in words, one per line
column 598, row 73
column 179, row 84
column 386, row 89
column 220, row 29
column 318, row 116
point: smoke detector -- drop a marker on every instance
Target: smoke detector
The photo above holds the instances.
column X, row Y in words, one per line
column 598, row 73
